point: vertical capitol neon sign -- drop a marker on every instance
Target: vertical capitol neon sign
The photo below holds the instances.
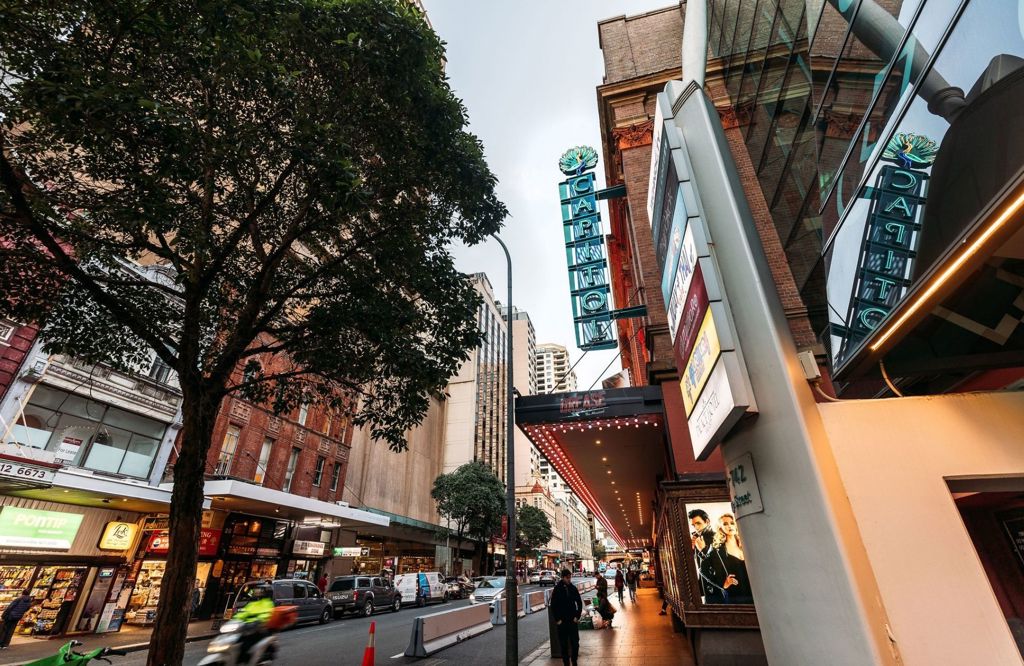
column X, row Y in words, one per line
column 585, row 251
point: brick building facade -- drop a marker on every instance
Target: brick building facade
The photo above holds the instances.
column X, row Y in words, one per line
column 15, row 343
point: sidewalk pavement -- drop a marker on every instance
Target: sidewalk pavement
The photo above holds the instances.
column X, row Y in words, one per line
column 639, row 635
column 24, row 649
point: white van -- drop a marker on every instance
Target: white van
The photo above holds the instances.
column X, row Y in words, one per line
column 422, row 588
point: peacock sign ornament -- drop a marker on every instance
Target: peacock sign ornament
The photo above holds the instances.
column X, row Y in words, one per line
column 911, row 150
column 575, row 161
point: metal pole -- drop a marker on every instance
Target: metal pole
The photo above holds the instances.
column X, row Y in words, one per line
column 511, row 585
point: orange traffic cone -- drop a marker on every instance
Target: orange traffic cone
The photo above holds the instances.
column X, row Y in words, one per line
column 368, row 652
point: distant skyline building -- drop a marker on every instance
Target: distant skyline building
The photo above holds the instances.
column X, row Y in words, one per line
column 554, row 369
column 475, row 424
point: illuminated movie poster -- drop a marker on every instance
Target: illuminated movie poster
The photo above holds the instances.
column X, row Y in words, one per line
column 718, row 554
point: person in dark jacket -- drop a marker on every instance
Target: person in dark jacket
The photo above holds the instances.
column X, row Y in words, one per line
column 566, row 609
column 12, row 616
column 602, row 585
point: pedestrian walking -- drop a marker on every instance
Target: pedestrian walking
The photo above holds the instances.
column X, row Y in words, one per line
column 620, row 584
column 322, row 583
column 566, row 608
column 12, row 616
column 632, row 577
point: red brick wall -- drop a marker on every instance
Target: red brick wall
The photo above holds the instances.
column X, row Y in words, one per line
column 256, row 424
column 636, row 45
column 12, row 354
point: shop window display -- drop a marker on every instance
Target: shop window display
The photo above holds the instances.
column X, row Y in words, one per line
column 146, row 595
column 54, row 593
column 14, row 579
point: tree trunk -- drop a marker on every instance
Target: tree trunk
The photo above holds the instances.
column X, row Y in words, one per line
column 167, row 645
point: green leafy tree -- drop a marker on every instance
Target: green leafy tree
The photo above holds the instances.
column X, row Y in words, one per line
column 533, row 529
column 290, row 173
column 599, row 551
column 472, row 499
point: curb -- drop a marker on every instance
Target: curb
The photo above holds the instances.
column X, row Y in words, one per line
column 537, row 656
column 131, row 647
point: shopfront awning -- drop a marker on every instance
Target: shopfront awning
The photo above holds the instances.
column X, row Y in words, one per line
column 610, row 448
column 242, row 497
column 83, row 488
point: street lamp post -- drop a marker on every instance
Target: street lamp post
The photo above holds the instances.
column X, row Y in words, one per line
column 511, row 585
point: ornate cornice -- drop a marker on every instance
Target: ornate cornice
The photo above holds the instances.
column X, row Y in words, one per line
column 633, row 136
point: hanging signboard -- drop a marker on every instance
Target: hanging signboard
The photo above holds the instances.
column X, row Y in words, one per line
column 314, row 548
column 585, row 255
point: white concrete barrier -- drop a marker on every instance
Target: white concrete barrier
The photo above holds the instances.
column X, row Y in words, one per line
column 535, row 601
column 437, row 631
column 500, row 610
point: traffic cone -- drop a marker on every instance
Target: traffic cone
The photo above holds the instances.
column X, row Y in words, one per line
column 368, row 652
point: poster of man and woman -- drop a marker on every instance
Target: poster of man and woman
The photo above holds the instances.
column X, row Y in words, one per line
column 718, row 554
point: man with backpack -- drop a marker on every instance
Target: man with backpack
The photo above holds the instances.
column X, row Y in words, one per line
column 12, row 616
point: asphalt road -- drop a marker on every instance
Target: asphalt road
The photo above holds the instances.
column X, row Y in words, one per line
column 341, row 642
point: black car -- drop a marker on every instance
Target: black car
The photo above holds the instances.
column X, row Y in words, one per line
column 363, row 595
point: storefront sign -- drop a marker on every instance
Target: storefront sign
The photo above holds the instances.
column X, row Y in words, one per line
column 746, row 496
column 209, row 540
column 27, row 473
column 118, row 536
column 349, row 551
column 589, row 287
column 314, row 548
column 38, row 530
column 590, row 403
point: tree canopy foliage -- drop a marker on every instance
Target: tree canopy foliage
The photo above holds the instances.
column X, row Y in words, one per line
column 472, row 498
column 267, row 184
column 297, row 168
column 533, row 529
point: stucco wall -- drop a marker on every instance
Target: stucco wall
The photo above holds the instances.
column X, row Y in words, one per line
column 894, row 457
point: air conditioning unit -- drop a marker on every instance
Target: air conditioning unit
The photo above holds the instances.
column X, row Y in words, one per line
column 341, row 503
column 34, row 372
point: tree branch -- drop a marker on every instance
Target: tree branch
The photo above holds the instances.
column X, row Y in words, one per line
column 13, row 183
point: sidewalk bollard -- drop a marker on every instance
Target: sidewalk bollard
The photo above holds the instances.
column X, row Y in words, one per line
column 556, row 647
column 368, row 656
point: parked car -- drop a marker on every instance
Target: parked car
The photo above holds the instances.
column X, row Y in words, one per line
column 310, row 605
column 459, row 587
column 534, row 577
column 610, row 574
column 362, row 595
column 422, row 588
column 488, row 591
column 547, row 577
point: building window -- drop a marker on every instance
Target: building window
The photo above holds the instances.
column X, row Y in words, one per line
column 261, row 465
column 303, row 413
column 318, row 473
column 328, row 422
column 159, row 371
column 289, row 474
column 6, row 330
column 227, row 450
column 335, row 476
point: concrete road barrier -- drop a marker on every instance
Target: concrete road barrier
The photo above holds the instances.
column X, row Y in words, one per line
column 500, row 610
column 535, row 601
column 437, row 631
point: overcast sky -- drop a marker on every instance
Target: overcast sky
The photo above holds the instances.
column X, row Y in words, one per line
column 527, row 72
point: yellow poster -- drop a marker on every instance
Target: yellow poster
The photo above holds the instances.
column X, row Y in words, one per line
column 702, row 359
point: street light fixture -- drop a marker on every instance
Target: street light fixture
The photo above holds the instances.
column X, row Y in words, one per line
column 511, row 586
